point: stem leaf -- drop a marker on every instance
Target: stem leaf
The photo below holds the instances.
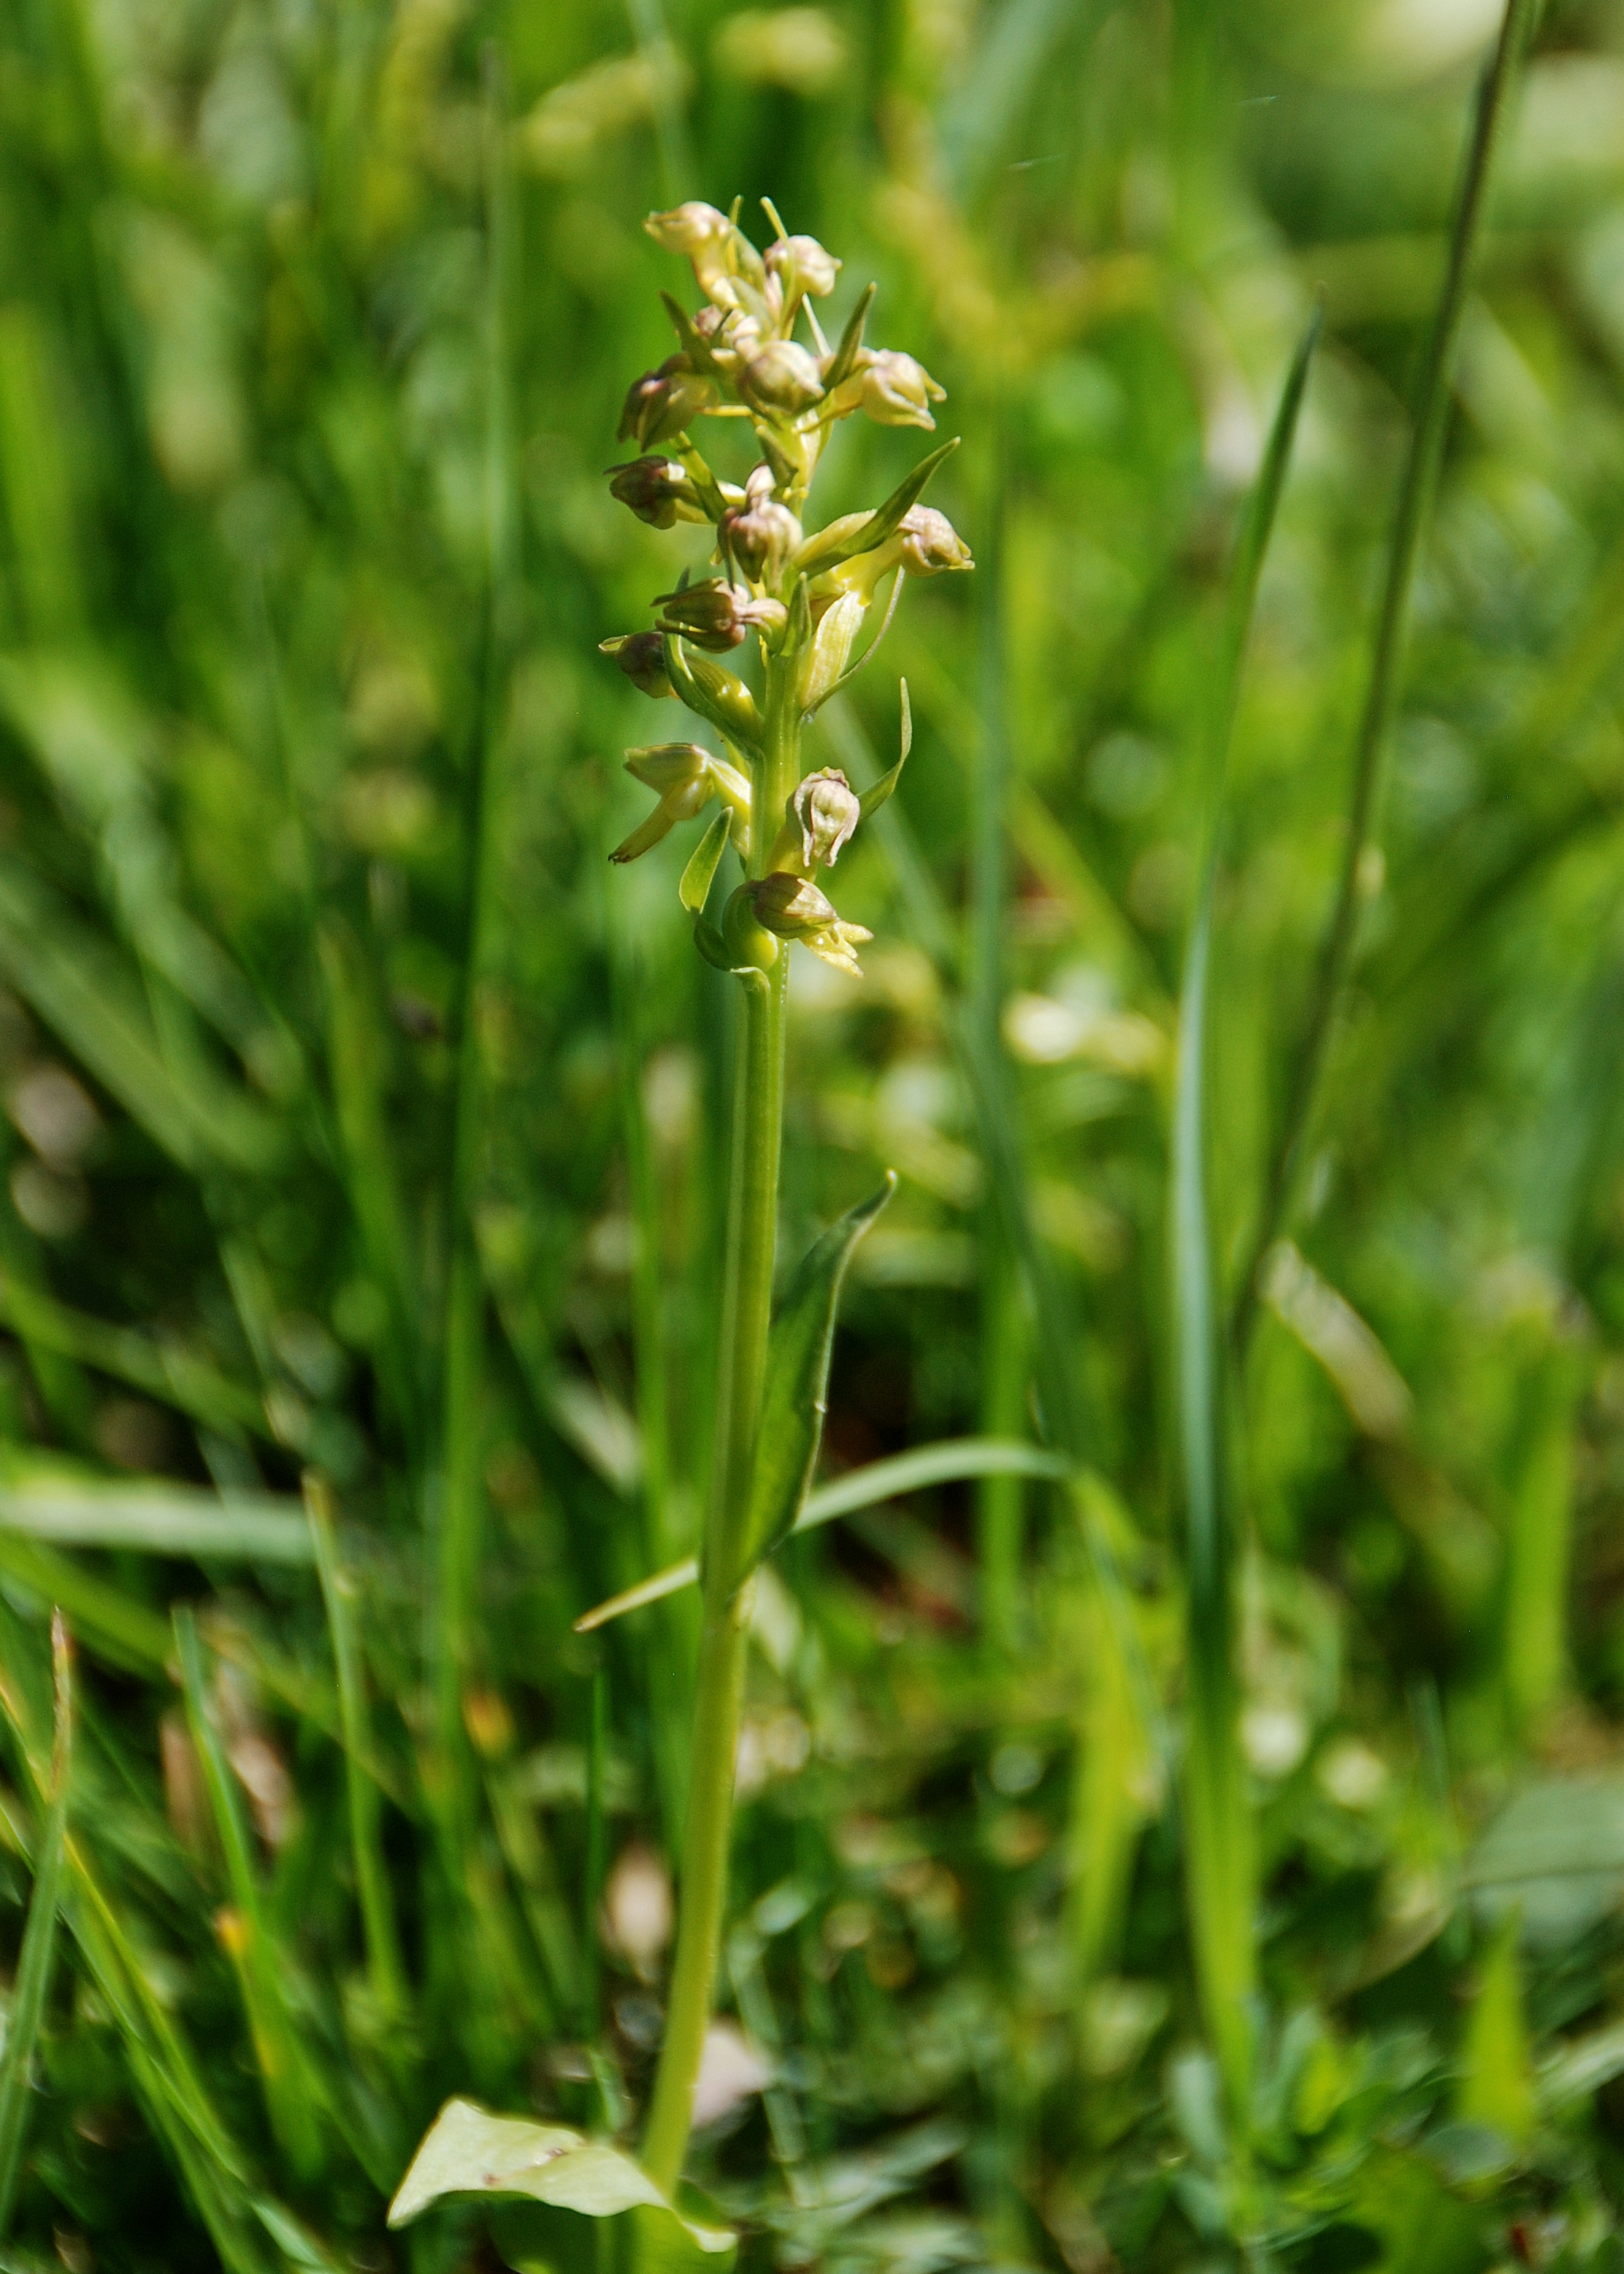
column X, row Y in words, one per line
column 467, row 2151
column 795, row 1396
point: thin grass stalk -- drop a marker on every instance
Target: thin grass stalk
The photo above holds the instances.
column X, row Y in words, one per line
column 460, row 1512
column 651, row 1372
column 32, row 1984
column 597, row 1857
column 747, row 1313
column 1416, row 488
column 1000, row 1496
column 1219, row 1870
column 1533, row 1640
column 244, row 1930
column 373, row 1894
column 999, row 1500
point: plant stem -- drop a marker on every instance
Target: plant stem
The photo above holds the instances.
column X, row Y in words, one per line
column 1416, row 491
column 747, row 1316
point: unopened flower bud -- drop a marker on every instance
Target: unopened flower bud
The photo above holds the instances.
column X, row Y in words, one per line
column 783, row 378
column 641, row 657
column 716, row 614
column 924, row 543
column 801, row 267
column 657, row 490
column 687, row 778
column 662, row 402
column 724, row 259
column 929, row 543
column 897, row 391
column 793, row 909
column 827, row 809
column 762, row 532
column 718, row 696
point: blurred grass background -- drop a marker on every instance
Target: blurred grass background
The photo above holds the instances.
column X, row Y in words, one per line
column 357, row 1116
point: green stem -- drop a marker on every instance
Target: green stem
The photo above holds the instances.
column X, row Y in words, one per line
column 747, row 1317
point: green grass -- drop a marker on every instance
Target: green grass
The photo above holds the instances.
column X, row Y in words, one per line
column 1095, row 1902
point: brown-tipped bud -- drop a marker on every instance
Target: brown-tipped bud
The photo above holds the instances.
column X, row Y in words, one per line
column 716, row 614
column 641, row 657
column 802, row 267
column 783, row 378
column 762, row 532
column 827, row 809
column 793, row 909
column 662, row 402
column 657, row 490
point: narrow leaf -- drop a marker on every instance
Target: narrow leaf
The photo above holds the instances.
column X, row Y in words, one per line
column 156, row 1517
column 34, row 1967
column 468, row 2152
column 695, row 888
column 795, row 1396
column 851, row 342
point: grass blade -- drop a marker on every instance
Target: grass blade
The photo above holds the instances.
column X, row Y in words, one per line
column 34, row 1967
column 1219, row 1863
column 153, row 1517
column 191, row 1385
column 243, row 1928
column 1418, row 483
column 373, row 1890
